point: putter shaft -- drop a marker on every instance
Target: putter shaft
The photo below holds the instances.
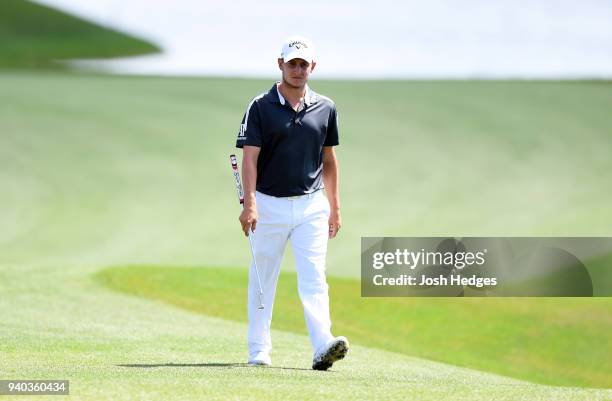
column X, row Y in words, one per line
column 234, row 162
column 261, row 304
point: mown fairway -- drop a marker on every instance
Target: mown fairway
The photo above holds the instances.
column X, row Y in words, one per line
column 102, row 171
column 543, row 340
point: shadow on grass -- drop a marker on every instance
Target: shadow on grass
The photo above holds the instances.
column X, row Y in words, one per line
column 203, row 365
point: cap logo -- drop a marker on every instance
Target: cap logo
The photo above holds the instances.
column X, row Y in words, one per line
column 298, row 44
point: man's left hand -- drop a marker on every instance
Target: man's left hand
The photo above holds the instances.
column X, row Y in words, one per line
column 334, row 223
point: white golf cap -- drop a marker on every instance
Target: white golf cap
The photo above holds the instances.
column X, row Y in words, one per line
column 297, row 47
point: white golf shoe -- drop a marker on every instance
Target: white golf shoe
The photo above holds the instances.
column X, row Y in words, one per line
column 332, row 352
column 260, row 359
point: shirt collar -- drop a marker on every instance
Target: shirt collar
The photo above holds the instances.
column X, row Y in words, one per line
column 310, row 97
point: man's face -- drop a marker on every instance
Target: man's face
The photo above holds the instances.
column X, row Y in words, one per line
column 296, row 71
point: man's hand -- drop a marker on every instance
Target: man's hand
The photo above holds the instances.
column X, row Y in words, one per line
column 335, row 222
column 248, row 220
column 330, row 179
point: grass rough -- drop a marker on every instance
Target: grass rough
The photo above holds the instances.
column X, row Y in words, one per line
column 34, row 36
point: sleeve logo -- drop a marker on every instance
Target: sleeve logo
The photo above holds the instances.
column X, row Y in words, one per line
column 242, row 132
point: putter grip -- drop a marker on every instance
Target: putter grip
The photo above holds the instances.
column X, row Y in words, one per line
column 237, row 178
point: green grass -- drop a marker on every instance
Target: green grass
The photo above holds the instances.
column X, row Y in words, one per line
column 101, row 171
column 435, row 158
column 33, row 35
column 544, row 340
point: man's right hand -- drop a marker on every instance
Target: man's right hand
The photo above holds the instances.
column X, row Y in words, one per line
column 248, row 219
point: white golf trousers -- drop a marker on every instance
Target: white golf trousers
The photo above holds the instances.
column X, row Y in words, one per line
column 304, row 221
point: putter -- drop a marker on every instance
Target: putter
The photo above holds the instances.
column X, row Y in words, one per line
column 241, row 199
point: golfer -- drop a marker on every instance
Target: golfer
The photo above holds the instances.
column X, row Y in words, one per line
column 288, row 136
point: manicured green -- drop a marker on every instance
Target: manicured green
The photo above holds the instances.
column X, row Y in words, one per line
column 101, row 171
column 539, row 339
column 33, row 35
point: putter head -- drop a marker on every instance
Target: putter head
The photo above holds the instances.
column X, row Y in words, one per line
column 261, row 306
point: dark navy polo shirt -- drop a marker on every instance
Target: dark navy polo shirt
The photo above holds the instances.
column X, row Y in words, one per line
column 291, row 143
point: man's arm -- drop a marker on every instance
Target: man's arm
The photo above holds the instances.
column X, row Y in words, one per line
column 248, row 217
column 330, row 179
